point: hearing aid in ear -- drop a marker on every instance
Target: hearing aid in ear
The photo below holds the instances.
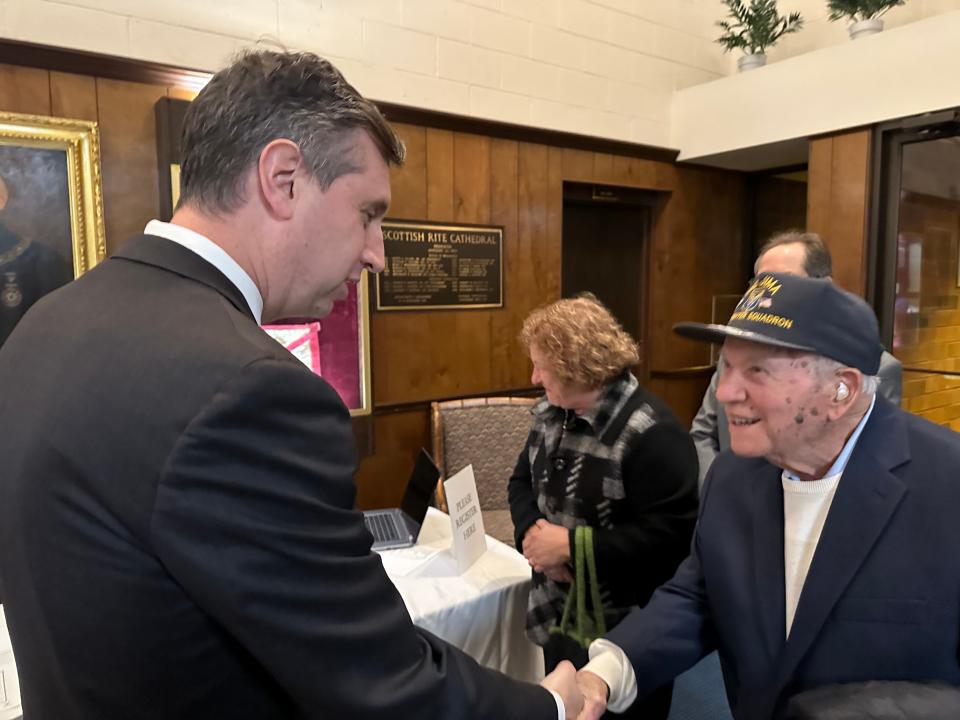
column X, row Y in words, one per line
column 842, row 392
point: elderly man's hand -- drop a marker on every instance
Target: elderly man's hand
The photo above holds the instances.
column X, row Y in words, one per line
column 563, row 681
column 595, row 692
column 546, row 545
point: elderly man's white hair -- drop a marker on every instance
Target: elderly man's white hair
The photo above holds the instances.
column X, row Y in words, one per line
column 828, row 367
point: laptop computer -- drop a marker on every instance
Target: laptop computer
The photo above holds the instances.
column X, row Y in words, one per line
column 399, row 527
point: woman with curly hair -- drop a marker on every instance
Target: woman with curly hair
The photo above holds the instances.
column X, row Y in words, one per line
column 602, row 453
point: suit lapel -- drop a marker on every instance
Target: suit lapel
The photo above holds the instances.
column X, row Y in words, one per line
column 168, row 255
column 865, row 500
column 768, row 571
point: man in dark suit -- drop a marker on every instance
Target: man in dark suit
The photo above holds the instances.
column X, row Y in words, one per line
column 178, row 536
column 794, row 253
column 822, row 553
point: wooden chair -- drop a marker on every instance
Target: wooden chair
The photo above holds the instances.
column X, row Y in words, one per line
column 489, row 434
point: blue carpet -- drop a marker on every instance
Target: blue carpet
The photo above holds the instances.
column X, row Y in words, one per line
column 698, row 694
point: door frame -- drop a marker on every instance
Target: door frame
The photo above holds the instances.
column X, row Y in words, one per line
column 884, row 218
column 600, row 195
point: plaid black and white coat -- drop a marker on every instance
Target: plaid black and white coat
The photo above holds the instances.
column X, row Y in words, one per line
column 628, row 469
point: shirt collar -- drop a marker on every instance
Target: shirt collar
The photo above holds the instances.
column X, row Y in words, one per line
column 840, row 464
column 216, row 256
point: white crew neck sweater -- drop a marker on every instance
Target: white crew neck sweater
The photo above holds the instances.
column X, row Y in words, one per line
column 805, row 508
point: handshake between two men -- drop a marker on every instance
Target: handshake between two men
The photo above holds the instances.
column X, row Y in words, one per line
column 584, row 694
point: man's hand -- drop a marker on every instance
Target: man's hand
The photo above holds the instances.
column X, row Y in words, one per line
column 563, row 681
column 546, row 545
column 595, row 692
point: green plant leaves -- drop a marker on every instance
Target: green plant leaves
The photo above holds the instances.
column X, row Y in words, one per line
column 858, row 10
column 758, row 25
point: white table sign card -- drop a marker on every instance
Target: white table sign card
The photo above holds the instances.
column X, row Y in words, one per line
column 469, row 539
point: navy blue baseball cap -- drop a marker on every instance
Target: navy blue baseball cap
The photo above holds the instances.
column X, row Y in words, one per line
column 800, row 313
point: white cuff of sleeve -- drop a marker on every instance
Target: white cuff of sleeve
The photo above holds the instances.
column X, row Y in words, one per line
column 611, row 665
column 561, row 712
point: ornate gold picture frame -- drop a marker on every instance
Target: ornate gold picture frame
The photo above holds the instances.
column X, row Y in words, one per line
column 51, row 208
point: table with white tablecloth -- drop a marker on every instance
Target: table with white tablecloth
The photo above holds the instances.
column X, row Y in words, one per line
column 482, row 611
column 9, row 687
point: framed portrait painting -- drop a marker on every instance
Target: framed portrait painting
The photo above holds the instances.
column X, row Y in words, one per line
column 51, row 208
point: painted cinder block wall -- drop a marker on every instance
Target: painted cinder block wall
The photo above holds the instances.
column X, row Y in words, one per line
column 606, row 68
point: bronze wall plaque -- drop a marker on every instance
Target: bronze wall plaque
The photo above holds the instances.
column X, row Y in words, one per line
column 434, row 266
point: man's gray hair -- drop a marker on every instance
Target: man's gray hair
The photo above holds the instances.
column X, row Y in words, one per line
column 265, row 96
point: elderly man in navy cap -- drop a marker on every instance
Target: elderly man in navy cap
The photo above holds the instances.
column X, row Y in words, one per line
column 825, row 550
column 794, row 253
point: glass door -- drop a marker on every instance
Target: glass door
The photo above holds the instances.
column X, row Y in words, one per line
column 918, row 288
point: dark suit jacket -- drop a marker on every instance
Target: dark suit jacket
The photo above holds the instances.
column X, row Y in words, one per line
column 882, row 597
column 177, row 532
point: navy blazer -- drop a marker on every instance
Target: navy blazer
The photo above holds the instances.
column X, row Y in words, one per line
column 882, row 596
column 178, row 536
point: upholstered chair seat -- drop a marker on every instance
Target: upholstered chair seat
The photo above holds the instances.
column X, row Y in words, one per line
column 489, row 434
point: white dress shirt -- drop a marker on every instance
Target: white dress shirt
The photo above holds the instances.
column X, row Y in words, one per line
column 216, row 256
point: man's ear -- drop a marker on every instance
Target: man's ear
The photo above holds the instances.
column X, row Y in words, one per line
column 844, row 390
column 278, row 177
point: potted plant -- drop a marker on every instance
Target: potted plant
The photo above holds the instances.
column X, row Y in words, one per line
column 753, row 26
column 864, row 15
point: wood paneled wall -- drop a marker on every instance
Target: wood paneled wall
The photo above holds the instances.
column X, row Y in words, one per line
column 837, row 202
column 128, row 142
column 778, row 205
column 697, row 249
